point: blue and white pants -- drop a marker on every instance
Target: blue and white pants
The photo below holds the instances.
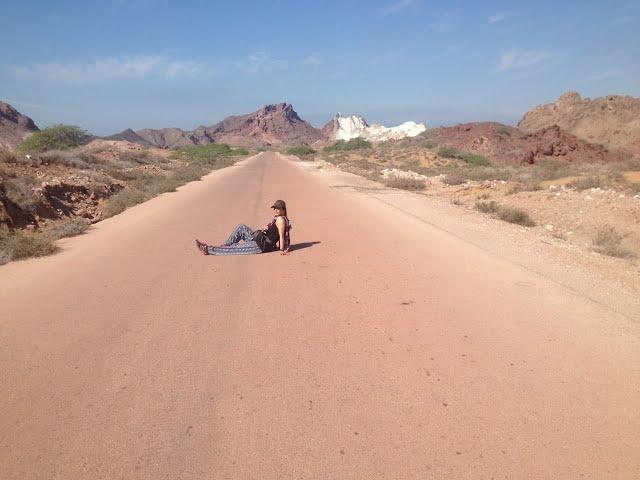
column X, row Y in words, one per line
column 240, row 242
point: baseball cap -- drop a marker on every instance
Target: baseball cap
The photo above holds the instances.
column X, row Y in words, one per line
column 279, row 204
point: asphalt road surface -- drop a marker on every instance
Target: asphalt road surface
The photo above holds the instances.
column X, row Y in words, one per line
column 380, row 348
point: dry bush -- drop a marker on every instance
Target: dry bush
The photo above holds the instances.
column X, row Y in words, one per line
column 487, row 207
column 405, row 183
column 122, row 200
column 586, row 183
column 68, row 227
column 19, row 245
column 454, row 178
column 7, row 156
column 515, row 215
column 507, row 214
column 608, row 241
column 21, row 191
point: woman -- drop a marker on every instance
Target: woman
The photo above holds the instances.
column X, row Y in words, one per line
column 275, row 236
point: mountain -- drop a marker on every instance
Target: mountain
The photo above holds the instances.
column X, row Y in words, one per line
column 14, row 126
column 271, row 125
column 612, row 121
column 130, row 136
column 354, row 126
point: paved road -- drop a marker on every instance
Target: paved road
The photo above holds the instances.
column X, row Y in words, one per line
column 380, row 348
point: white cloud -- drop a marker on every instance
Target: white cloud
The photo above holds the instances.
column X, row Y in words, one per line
column 396, row 7
column 516, row 59
column 498, row 17
column 313, row 59
column 261, row 62
column 136, row 67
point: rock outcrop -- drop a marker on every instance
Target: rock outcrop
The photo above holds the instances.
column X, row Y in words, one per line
column 14, row 126
column 354, row 126
column 505, row 145
column 612, row 121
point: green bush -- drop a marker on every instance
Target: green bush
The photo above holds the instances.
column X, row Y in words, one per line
column 471, row 159
column 300, row 151
column 58, row 137
column 353, row 144
column 215, row 155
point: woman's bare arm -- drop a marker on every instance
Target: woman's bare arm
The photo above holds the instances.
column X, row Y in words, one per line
column 281, row 224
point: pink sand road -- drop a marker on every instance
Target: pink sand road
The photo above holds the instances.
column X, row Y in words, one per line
column 381, row 348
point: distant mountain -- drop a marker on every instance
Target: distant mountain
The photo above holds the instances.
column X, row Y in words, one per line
column 354, row 126
column 271, row 125
column 14, row 126
column 612, row 121
column 130, row 136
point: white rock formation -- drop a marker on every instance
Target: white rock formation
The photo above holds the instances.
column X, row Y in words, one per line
column 354, row 126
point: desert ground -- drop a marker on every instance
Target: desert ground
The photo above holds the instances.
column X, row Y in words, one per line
column 404, row 336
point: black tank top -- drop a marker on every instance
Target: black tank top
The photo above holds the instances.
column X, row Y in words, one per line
column 274, row 236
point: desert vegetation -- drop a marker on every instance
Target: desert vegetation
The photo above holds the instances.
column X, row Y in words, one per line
column 300, row 151
column 57, row 137
column 63, row 186
column 569, row 201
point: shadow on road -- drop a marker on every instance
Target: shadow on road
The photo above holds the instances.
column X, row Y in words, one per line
column 300, row 246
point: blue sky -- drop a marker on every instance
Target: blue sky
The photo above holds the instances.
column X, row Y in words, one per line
column 115, row 64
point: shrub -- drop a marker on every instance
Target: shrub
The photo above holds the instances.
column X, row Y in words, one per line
column 469, row 158
column 507, row 214
column 353, row 144
column 586, row 183
column 19, row 245
column 608, row 241
column 69, row 227
column 504, row 130
column 487, row 207
column 58, row 137
column 300, row 151
column 128, row 197
column 20, row 190
column 7, row 157
column 449, row 152
column 429, row 145
column 405, row 183
column 454, row 178
column 515, row 215
column 212, row 155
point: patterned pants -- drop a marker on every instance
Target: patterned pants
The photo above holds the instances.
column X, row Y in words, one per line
column 232, row 246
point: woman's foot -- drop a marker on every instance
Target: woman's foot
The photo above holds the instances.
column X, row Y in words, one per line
column 203, row 247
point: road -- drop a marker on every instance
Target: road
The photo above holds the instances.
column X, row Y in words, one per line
column 380, row 348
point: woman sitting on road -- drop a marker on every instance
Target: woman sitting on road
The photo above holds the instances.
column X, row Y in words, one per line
column 273, row 237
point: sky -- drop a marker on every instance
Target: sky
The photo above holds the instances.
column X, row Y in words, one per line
column 115, row 64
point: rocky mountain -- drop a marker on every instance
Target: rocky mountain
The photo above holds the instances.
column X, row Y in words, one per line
column 612, row 121
column 271, row 125
column 167, row 137
column 354, row 126
column 508, row 145
column 14, row 126
column 129, row 135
